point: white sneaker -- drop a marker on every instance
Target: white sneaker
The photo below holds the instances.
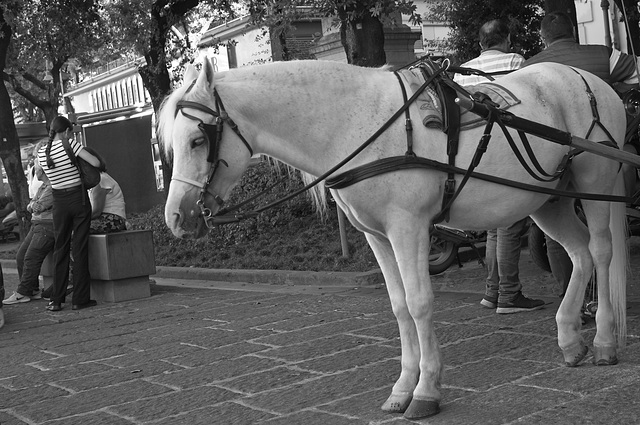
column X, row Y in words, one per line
column 37, row 295
column 16, row 298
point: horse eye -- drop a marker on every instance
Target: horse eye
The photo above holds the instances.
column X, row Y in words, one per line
column 198, row 142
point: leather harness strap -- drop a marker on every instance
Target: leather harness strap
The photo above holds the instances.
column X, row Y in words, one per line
column 447, row 90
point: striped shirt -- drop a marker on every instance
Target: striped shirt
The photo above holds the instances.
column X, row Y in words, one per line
column 489, row 61
column 65, row 174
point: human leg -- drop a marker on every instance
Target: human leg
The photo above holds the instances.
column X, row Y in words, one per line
column 108, row 223
column 510, row 298
column 22, row 249
column 80, row 247
column 560, row 263
column 508, row 256
column 62, row 228
column 42, row 242
column 490, row 299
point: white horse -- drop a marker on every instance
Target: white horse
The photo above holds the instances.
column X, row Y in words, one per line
column 313, row 114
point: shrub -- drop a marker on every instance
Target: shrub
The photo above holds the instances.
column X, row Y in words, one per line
column 290, row 236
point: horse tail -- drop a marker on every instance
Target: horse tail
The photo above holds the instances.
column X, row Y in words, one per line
column 619, row 263
column 317, row 193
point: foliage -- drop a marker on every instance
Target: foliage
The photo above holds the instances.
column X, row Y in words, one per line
column 360, row 22
column 134, row 25
column 289, row 237
column 47, row 33
column 465, row 19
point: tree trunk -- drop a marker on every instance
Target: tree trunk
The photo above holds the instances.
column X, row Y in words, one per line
column 279, row 48
column 155, row 75
column 363, row 39
column 566, row 6
column 9, row 142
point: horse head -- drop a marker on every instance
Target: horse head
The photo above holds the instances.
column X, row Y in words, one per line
column 207, row 161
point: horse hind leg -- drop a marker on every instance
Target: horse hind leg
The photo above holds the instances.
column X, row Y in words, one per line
column 608, row 249
column 559, row 221
column 402, row 392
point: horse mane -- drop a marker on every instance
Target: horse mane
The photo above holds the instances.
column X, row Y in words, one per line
column 166, row 116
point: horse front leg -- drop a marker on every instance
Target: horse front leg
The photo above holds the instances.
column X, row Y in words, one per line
column 410, row 242
column 402, row 392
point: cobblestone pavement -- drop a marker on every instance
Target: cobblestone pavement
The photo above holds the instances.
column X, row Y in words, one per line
column 203, row 352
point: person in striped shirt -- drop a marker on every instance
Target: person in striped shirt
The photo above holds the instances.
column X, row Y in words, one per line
column 496, row 59
column 71, row 215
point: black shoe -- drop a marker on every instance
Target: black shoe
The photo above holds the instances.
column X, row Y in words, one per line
column 90, row 303
column 52, row 306
column 518, row 304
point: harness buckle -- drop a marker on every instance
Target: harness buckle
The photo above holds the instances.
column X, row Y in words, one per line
column 450, row 187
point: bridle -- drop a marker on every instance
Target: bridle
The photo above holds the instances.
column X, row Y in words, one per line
column 213, row 136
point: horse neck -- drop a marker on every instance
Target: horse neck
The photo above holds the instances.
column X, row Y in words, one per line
column 310, row 116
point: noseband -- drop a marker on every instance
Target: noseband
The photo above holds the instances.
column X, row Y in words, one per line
column 213, row 135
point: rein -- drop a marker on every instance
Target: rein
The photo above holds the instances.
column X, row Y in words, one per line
column 223, row 216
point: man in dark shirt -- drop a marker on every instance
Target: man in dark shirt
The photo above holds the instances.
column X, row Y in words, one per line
column 614, row 67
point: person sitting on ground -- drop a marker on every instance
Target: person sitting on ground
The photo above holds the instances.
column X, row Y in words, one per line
column 107, row 203
column 503, row 290
column 36, row 245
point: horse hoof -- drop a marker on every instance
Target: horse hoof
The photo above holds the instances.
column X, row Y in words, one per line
column 604, row 355
column 422, row 409
column 397, row 403
column 575, row 354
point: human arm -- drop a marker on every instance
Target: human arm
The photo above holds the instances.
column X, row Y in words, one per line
column 42, row 201
column 98, row 198
column 90, row 159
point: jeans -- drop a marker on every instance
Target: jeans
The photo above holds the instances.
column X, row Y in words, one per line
column 31, row 254
column 502, row 258
column 71, row 219
column 560, row 263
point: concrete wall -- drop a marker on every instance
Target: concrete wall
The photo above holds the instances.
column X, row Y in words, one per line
column 126, row 147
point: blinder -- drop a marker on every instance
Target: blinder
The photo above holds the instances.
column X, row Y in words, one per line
column 213, row 136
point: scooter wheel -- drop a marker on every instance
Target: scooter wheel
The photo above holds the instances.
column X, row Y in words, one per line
column 441, row 255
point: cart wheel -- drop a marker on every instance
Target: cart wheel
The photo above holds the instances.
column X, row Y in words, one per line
column 441, row 255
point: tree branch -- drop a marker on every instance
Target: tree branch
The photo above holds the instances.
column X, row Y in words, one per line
column 34, row 80
column 17, row 87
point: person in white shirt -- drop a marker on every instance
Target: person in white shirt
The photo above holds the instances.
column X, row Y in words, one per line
column 108, row 213
column 503, row 288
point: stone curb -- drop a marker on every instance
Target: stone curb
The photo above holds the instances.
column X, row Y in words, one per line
column 275, row 277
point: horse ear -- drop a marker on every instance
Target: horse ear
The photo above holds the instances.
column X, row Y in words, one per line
column 190, row 73
column 205, row 79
